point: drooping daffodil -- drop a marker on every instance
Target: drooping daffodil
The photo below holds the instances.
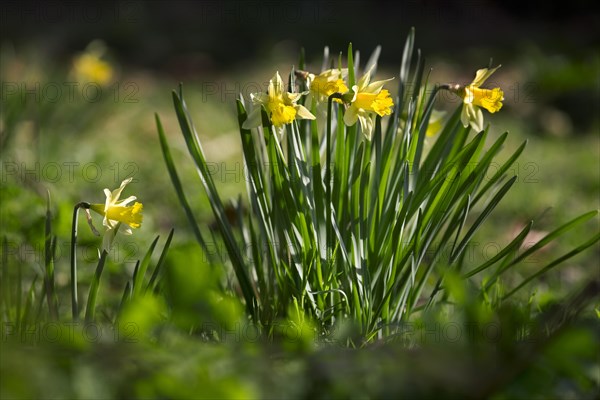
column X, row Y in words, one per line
column 367, row 101
column 475, row 98
column 279, row 104
column 117, row 212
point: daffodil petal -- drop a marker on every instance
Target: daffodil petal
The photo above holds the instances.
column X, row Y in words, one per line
column 277, row 85
column 123, row 203
column 292, row 97
column 303, row 113
column 114, row 196
column 477, row 123
column 355, row 91
column 475, row 117
column 366, row 78
column 350, row 116
column 376, row 86
column 259, row 98
column 109, row 223
column 464, row 115
column 333, row 74
column 366, row 124
column 482, row 75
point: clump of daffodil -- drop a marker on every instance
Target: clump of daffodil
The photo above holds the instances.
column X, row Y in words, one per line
column 90, row 67
column 280, row 105
column 367, row 100
column 475, row 98
column 117, row 212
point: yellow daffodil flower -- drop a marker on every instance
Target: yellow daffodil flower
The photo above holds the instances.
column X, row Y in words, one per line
column 117, row 212
column 367, row 100
column 279, row 104
column 321, row 87
column 475, row 98
column 89, row 66
column 327, row 83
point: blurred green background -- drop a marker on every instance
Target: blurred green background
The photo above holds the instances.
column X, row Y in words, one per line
column 70, row 139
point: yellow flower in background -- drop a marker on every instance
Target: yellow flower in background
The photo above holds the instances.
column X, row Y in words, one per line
column 327, row 83
column 90, row 67
column 117, row 211
column 435, row 122
column 321, row 87
column 475, row 98
column 279, row 104
column 368, row 100
column 435, row 125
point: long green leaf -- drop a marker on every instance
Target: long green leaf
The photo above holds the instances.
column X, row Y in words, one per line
column 510, row 248
column 161, row 260
column 482, row 217
column 544, row 241
column 554, row 263
column 138, row 281
column 164, row 145
column 197, row 154
column 90, row 310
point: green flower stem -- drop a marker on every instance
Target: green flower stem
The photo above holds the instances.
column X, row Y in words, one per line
column 49, row 251
column 328, row 234
column 74, row 304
